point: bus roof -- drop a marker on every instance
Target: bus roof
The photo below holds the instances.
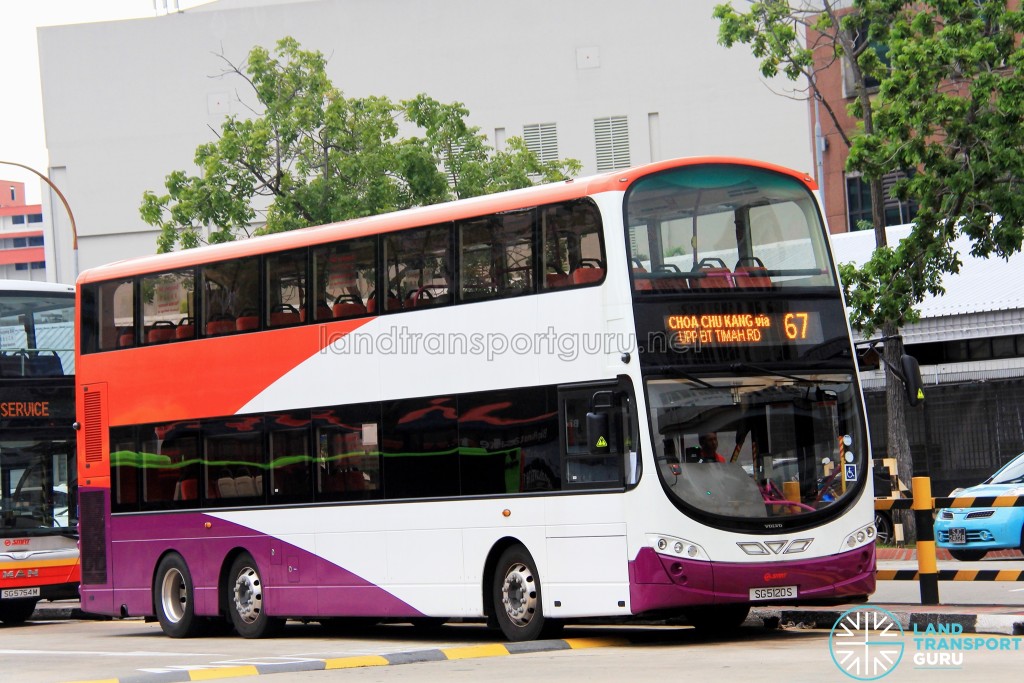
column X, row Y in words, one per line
column 418, row 216
column 32, row 286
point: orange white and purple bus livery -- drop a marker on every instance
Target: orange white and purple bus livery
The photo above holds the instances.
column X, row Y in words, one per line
column 504, row 408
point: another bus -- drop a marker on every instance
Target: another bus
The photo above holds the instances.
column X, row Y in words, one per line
column 486, row 409
column 38, row 473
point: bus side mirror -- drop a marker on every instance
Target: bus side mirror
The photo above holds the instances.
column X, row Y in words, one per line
column 597, row 433
column 912, row 383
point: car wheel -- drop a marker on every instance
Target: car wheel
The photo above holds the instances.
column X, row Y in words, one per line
column 968, row 555
column 883, row 528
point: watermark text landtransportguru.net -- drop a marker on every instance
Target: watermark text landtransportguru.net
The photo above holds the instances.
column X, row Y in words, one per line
column 565, row 346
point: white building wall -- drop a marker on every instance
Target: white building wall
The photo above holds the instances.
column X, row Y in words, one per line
column 125, row 103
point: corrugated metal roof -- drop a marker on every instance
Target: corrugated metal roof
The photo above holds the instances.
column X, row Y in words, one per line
column 982, row 285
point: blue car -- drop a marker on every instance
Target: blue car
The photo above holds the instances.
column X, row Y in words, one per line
column 969, row 533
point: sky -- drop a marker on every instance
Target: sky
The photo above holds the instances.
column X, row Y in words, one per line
column 22, row 138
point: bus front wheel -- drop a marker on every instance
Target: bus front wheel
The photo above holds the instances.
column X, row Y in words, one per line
column 17, row 611
column 517, row 596
column 245, row 600
column 174, row 598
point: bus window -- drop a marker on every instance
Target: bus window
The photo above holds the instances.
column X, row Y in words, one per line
column 167, row 307
column 421, row 448
column 108, row 309
column 584, row 464
column 231, row 296
column 290, row 458
column 234, row 459
column 508, row 441
column 344, row 277
column 496, row 255
column 348, row 452
column 418, row 268
column 573, row 250
column 722, row 227
column 169, row 459
column 285, row 288
column 125, row 469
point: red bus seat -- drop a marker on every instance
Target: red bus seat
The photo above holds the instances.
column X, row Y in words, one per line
column 214, row 327
column 247, row 322
column 126, row 339
column 348, row 309
column 716, row 275
column 186, row 329
column 553, row 280
column 161, row 331
column 582, row 276
column 751, row 273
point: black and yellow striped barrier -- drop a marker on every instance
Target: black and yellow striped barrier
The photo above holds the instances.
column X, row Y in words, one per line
column 952, row 575
column 924, row 507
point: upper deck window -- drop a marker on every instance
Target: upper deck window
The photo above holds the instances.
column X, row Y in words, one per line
column 721, row 226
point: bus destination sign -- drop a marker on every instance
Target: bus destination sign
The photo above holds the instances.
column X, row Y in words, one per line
column 745, row 329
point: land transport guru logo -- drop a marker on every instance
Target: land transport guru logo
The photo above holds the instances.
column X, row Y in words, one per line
column 866, row 643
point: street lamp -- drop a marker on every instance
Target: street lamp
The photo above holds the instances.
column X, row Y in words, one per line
column 67, row 207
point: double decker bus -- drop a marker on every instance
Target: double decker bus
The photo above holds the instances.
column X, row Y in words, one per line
column 630, row 394
column 38, row 473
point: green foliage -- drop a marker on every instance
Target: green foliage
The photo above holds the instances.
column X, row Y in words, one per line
column 308, row 155
column 949, row 109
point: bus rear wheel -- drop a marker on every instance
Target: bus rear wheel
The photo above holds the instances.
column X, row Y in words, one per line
column 517, row 597
column 245, row 600
column 17, row 611
column 174, row 598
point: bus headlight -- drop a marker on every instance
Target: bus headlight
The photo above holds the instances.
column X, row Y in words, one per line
column 860, row 537
column 679, row 547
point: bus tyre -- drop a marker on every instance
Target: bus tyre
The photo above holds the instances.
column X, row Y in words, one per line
column 716, row 620
column 245, row 600
column 174, row 598
column 517, row 596
column 17, row 611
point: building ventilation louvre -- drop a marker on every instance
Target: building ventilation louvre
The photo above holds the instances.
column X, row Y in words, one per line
column 542, row 140
column 611, row 136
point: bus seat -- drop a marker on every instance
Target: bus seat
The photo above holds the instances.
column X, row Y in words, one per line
column 394, row 303
column 553, row 280
column 219, row 326
column 186, row 489
column 186, row 329
column 354, row 480
column 716, row 275
column 162, row 330
column 282, row 318
column 226, row 487
column 245, row 485
column 750, row 273
column 126, row 339
column 247, row 322
column 348, row 309
column 582, row 276
column 45, row 364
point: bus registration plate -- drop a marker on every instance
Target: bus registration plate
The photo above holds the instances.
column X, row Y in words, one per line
column 958, row 535
column 9, row 593
column 773, row 593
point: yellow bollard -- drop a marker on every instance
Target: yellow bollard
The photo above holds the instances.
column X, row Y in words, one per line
column 927, row 567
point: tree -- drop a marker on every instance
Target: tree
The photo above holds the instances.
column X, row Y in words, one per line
column 308, row 155
column 948, row 108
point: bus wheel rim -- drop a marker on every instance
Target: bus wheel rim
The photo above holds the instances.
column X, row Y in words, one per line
column 248, row 595
column 174, row 595
column 519, row 594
